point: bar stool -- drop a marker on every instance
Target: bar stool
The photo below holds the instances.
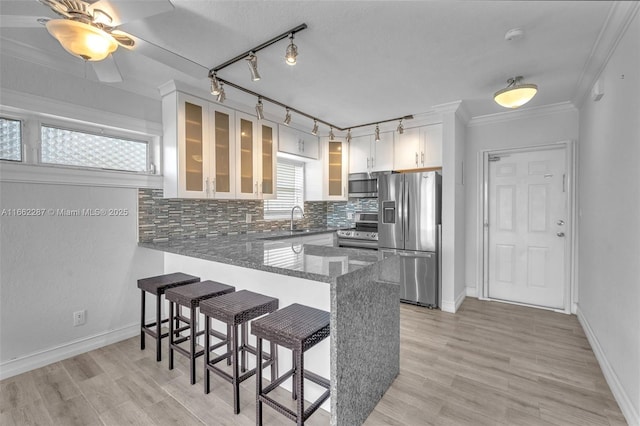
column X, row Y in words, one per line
column 190, row 296
column 296, row 327
column 236, row 309
column 157, row 286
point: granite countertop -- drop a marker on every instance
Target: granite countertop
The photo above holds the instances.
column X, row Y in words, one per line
column 310, row 254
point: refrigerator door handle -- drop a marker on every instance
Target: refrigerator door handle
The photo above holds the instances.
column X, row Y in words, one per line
column 407, row 220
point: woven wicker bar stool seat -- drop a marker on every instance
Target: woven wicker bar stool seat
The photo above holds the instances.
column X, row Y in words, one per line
column 190, row 296
column 157, row 286
column 236, row 310
column 299, row 328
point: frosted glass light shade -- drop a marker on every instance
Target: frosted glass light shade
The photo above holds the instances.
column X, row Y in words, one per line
column 515, row 96
column 82, row 40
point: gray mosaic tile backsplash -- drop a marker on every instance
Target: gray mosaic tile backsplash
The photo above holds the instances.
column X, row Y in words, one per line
column 161, row 219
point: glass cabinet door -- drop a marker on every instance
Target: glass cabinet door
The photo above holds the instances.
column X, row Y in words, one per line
column 247, row 178
column 194, row 151
column 223, row 185
column 267, row 160
column 336, row 184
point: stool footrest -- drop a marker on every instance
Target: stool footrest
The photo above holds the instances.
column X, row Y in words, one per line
column 318, row 380
column 229, row 377
column 187, row 353
column 278, row 382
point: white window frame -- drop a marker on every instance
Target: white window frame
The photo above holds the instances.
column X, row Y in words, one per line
column 7, row 116
column 279, row 214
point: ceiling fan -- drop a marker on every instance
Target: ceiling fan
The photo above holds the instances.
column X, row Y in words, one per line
column 88, row 29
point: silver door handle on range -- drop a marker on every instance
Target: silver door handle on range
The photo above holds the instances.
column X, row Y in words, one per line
column 560, row 234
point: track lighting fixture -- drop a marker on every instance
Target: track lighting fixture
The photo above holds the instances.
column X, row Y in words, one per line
column 400, row 127
column 215, row 85
column 259, row 109
column 252, row 62
column 287, row 117
column 314, row 131
column 377, row 133
column 348, row 138
column 221, row 96
column 515, row 94
column 292, row 52
column 331, row 135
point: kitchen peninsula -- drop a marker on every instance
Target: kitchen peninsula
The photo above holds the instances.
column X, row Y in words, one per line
column 361, row 358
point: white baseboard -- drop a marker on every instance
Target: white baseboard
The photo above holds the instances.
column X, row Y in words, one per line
column 628, row 410
column 40, row 359
column 452, row 307
column 472, row 292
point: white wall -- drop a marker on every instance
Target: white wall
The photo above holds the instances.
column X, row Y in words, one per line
column 509, row 130
column 609, row 223
column 55, row 265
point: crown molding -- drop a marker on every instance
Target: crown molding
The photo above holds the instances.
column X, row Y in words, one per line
column 618, row 20
column 518, row 114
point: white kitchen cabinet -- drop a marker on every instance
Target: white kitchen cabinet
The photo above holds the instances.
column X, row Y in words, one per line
column 256, row 145
column 198, row 148
column 326, row 178
column 296, row 142
column 367, row 155
column 419, row 147
column 267, row 159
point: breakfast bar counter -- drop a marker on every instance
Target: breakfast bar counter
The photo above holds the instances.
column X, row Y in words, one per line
column 361, row 358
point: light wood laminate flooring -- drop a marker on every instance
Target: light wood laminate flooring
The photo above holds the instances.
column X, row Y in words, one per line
column 489, row 364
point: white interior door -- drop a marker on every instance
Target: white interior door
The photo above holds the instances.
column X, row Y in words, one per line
column 527, row 223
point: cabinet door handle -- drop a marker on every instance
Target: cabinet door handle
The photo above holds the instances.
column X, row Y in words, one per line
column 367, row 162
column 416, row 159
column 206, row 181
column 373, row 161
column 256, row 187
column 303, row 145
column 213, row 181
column 422, row 157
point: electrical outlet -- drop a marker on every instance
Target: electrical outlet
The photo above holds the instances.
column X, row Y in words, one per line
column 79, row 318
column 350, row 215
column 248, row 218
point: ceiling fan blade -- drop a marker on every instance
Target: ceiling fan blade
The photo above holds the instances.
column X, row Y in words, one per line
column 169, row 58
column 107, row 70
column 19, row 21
column 25, row 8
column 122, row 11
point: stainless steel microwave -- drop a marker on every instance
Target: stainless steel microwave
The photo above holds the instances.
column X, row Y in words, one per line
column 364, row 185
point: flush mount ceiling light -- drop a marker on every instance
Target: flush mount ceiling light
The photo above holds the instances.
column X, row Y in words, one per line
column 252, row 62
column 314, row 131
column 400, row 127
column 292, row 52
column 215, row 85
column 82, row 40
column 331, row 135
column 259, row 109
column 515, row 94
column 377, row 133
column 287, row 117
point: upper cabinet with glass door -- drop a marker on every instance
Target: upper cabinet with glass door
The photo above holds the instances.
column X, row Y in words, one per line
column 326, row 179
column 199, row 148
column 268, row 141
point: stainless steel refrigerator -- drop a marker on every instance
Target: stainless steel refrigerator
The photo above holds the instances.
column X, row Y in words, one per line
column 409, row 219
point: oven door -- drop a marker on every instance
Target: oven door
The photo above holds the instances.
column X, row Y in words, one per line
column 363, row 185
column 355, row 243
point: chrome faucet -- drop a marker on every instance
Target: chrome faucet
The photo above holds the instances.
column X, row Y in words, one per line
column 292, row 211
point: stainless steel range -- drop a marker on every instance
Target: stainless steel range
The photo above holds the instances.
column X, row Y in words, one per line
column 365, row 233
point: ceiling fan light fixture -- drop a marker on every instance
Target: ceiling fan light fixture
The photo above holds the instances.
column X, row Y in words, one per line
column 292, row 52
column 252, row 62
column 82, row 40
column 287, row 117
column 515, row 94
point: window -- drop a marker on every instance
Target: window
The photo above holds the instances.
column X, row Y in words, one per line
column 74, row 148
column 290, row 190
column 10, row 139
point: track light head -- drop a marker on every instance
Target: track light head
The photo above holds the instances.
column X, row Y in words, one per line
column 252, row 62
column 331, row 135
column 348, row 138
column 400, row 127
column 314, row 131
column 377, row 133
column 287, row 118
column 259, row 109
column 292, row 52
column 221, row 96
column 215, row 85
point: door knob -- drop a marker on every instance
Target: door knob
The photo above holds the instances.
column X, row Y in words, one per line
column 561, row 222
column 560, row 234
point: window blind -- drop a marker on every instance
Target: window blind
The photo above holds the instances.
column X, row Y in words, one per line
column 290, row 190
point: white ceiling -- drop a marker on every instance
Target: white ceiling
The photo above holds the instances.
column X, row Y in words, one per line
column 359, row 61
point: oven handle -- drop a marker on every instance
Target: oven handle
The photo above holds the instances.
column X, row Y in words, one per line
column 353, row 243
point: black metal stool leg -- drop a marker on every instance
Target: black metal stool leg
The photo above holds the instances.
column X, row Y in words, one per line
column 259, row 380
column 192, row 341
column 142, row 319
column 171, row 339
column 207, row 329
column 158, row 330
column 243, row 354
column 294, row 382
column 299, row 355
column 235, row 366
column 228, row 343
column 273, row 356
